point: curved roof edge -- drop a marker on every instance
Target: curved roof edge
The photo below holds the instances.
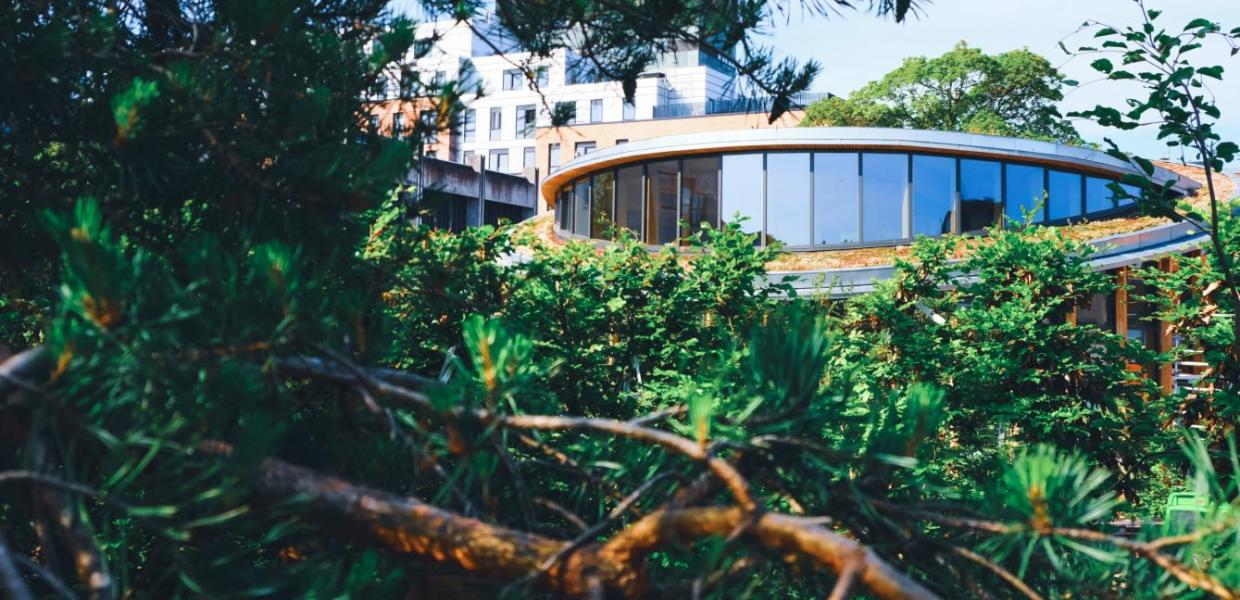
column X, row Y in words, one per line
column 856, row 138
column 1114, row 251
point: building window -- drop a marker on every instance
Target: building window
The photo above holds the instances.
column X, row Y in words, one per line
column 600, row 206
column 583, row 148
column 884, row 181
column 622, row 141
column 380, row 89
column 1024, row 190
column 787, row 198
column 661, row 210
column 980, row 193
column 429, row 119
column 1064, row 189
column 398, row 125
column 467, row 157
column 374, row 123
column 934, row 194
column 553, row 156
column 470, row 125
column 498, row 160
column 564, row 208
column 527, row 157
column 837, row 198
column 439, row 78
column 630, row 111
column 699, row 193
column 431, row 154
column 512, row 79
column 497, row 123
column 596, row 111
column 742, row 190
column 566, row 111
column 1098, row 195
column 581, row 207
column 1100, row 312
column 527, row 117
column 542, row 75
column 421, row 47
column 629, row 198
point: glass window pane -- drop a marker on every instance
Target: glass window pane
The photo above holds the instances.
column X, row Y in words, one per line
column 742, row 190
column 884, row 179
column 1065, row 194
column 600, row 205
column 1099, row 312
column 980, row 194
column 837, row 198
column 934, row 194
column 787, row 198
column 565, row 208
column 661, row 208
column 581, row 207
column 1024, row 191
column 1098, row 197
column 1133, row 191
column 699, row 194
column 629, row 198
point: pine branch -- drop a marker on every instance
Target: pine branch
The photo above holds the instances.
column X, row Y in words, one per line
column 409, row 526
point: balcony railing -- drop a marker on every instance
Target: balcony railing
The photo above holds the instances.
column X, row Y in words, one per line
column 759, row 104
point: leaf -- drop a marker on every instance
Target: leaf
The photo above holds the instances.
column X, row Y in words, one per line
column 1105, row 31
column 1103, row 65
column 1200, row 24
column 1216, row 71
column 701, row 410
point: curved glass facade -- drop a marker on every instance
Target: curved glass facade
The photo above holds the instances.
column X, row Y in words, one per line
column 826, row 199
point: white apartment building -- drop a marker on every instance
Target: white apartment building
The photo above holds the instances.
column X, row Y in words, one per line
column 500, row 123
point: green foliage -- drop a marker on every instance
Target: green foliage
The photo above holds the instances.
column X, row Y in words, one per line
column 1201, row 298
column 201, row 225
column 990, row 329
column 1010, row 94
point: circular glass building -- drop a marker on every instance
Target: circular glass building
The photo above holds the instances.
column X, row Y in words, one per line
column 827, row 187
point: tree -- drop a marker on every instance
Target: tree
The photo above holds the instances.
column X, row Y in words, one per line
column 1201, row 298
column 254, row 381
column 1012, row 94
column 991, row 330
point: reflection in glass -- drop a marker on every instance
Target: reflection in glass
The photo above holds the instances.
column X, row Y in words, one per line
column 884, row 180
column 787, row 198
column 1098, row 196
column 600, row 205
column 566, row 208
column 629, row 198
column 581, row 207
column 1099, row 312
column 1133, row 191
column 1065, row 194
column 1025, row 189
column 934, row 194
column 699, row 194
column 661, row 207
column 742, row 190
column 980, row 193
column 837, row 198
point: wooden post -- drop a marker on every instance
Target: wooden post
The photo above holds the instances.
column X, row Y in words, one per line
column 1121, row 302
column 1165, row 370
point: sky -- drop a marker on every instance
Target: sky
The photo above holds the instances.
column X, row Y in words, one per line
column 854, row 48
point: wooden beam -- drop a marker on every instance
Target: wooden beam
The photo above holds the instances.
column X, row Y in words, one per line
column 1165, row 341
